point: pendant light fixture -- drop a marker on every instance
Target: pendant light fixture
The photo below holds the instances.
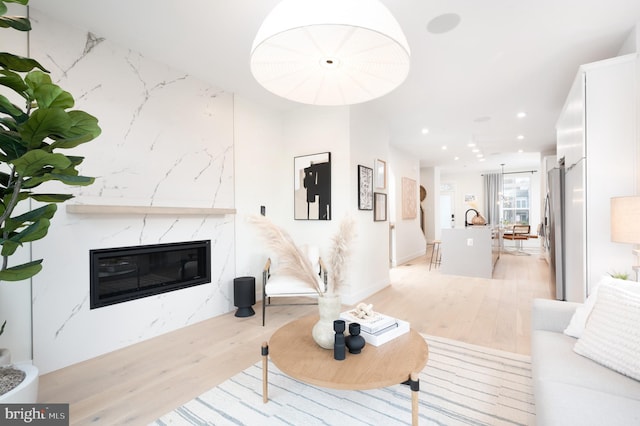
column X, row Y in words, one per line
column 330, row 52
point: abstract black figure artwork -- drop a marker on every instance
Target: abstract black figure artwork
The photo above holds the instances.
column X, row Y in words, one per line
column 312, row 187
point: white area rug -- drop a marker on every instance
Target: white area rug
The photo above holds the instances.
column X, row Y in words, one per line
column 462, row 384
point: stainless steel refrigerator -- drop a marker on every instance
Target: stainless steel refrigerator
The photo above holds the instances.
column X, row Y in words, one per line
column 554, row 229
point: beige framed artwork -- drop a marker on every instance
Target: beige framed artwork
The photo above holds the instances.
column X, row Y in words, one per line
column 380, row 174
column 409, row 198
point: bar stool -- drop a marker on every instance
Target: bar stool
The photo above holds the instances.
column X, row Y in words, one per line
column 436, row 251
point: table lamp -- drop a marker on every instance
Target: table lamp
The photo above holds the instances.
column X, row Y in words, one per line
column 625, row 223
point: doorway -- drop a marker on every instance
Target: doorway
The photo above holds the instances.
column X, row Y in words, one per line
column 447, row 219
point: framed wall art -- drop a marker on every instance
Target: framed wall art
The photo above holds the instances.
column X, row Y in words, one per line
column 409, row 198
column 379, row 206
column 365, row 188
column 380, row 173
column 312, row 187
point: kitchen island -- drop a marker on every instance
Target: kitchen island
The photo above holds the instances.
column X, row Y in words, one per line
column 471, row 251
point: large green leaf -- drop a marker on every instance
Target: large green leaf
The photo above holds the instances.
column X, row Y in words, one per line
column 33, row 232
column 44, row 123
column 52, row 96
column 22, row 2
column 9, row 247
column 14, row 81
column 70, row 179
column 21, row 272
column 46, row 212
column 52, row 198
column 19, row 63
column 6, row 107
column 16, row 22
column 11, row 145
column 23, row 195
column 34, row 161
column 84, row 128
column 9, row 123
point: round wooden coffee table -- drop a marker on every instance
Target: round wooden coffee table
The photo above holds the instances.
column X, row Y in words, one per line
column 295, row 353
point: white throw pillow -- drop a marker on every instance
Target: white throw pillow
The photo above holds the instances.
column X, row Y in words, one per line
column 612, row 335
column 581, row 315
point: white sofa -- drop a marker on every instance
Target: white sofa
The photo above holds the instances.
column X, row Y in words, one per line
column 569, row 388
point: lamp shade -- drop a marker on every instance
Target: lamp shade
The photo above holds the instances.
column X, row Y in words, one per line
column 625, row 220
column 330, row 52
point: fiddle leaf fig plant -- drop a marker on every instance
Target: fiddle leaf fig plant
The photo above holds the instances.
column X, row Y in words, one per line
column 36, row 120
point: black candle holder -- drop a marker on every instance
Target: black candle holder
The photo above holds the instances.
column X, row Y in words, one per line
column 339, row 349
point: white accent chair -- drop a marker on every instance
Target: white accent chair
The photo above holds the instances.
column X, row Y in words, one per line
column 275, row 285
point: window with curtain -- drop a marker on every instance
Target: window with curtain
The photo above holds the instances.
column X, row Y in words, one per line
column 516, row 199
column 492, row 195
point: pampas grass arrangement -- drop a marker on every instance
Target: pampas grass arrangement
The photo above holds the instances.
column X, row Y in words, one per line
column 339, row 255
column 291, row 260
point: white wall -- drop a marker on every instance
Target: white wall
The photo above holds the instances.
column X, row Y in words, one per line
column 262, row 178
column 369, row 141
column 410, row 241
column 266, row 144
column 167, row 141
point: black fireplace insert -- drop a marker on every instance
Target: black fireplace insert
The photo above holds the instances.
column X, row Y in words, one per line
column 127, row 273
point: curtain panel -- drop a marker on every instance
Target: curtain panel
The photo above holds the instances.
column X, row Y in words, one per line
column 492, row 195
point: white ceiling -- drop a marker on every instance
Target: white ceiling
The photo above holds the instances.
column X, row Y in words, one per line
column 504, row 57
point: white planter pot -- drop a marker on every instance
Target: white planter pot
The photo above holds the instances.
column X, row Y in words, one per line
column 27, row 391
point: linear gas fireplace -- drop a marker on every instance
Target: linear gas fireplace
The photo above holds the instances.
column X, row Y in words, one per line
column 128, row 273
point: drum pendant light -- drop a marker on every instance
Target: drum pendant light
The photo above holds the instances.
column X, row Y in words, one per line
column 330, row 52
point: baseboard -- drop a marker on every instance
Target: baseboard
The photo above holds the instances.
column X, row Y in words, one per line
column 410, row 257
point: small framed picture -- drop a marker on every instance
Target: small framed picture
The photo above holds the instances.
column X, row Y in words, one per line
column 365, row 188
column 379, row 207
column 380, row 172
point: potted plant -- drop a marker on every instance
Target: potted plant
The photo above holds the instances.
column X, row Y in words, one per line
column 37, row 120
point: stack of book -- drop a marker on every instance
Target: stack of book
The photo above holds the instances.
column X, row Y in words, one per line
column 378, row 328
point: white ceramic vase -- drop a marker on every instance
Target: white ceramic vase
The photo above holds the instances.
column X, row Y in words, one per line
column 329, row 307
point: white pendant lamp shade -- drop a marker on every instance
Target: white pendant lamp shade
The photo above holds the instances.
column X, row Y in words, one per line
column 330, row 52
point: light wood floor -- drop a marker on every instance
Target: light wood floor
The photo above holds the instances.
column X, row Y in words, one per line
column 137, row 384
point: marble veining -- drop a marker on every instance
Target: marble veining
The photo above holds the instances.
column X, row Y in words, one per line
column 146, row 90
column 167, row 140
column 74, row 311
column 91, row 42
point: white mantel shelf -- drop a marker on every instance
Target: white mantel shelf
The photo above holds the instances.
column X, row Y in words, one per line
column 153, row 210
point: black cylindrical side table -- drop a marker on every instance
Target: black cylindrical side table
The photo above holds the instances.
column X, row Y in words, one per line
column 244, row 295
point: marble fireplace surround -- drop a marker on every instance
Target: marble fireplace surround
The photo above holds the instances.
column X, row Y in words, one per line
column 164, row 168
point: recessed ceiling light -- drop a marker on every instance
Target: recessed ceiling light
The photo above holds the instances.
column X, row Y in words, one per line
column 520, row 150
column 443, row 23
column 520, row 137
column 425, row 131
column 471, row 144
column 481, row 159
column 456, row 158
column 444, row 147
column 475, row 150
column 479, row 155
column 522, row 114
